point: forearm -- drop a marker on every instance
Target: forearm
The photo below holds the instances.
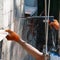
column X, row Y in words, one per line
column 31, row 50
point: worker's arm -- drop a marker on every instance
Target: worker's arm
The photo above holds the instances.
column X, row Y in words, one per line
column 54, row 24
column 31, row 50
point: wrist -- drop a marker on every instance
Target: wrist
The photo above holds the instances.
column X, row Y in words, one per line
column 20, row 41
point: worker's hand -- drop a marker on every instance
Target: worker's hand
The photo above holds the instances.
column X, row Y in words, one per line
column 54, row 24
column 12, row 36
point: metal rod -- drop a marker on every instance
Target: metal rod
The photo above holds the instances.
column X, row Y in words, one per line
column 34, row 17
column 46, row 25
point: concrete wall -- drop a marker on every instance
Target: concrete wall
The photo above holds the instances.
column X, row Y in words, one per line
column 12, row 50
column 1, row 12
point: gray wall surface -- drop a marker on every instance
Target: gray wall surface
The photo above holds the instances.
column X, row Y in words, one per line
column 1, row 11
column 12, row 50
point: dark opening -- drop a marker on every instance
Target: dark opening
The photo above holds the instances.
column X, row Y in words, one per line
column 54, row 11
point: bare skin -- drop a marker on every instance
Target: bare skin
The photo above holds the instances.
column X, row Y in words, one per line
column 31, row 50
column 13, row 36
column 54, row 24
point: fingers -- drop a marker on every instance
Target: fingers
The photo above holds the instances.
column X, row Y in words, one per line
column 12, row 35
column 8, row 37
column 55, row 24
column 55, row 20
column 9, row 31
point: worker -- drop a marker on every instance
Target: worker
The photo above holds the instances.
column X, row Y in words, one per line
column 54, row 24
column 41, row 38
column 13, row 36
